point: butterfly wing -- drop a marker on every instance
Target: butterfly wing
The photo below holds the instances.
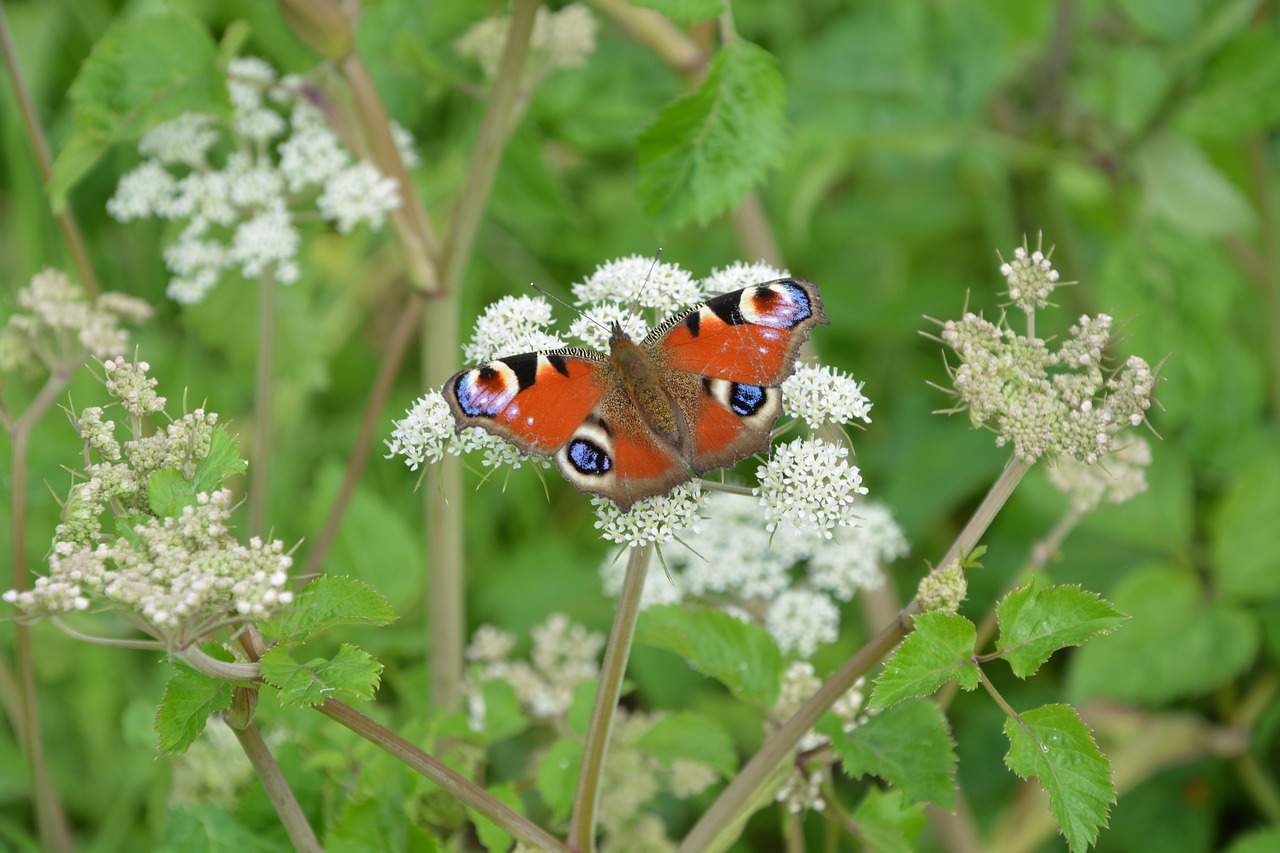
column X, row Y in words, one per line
column 740, row 346
column 561, row 404
column 535, row 400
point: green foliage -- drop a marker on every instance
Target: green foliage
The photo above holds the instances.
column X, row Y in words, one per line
column 1052, row 744
column 1035, row 623
column 121, row 91
column 692, row 737
column 189, row 699
column 1184, row 644
column 328, row 601
column 707, row 150
column 209, row 829
column 888, row 823
column 351, row 673
column 938, row 650
column 908, row 745
column 168, row 491
column 740, row 656
column 558, row 773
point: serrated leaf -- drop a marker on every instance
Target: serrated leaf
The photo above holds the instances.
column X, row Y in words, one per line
column 690, row 737
column 222, row 461
column 558, row 773
column 1243, row 535
column 122, row 91
column 1240, row 93
column 938, row 650
column 687, row 11
column 908, row 745
column 189, row 698
column 1035, row 623
column 887, row 824
column 352, row 673
column 493, row 837
column 1052, row 744
column 741, row 656
column 707, row 150
column 327, row 601
column 168, row 492
column 1185, row 189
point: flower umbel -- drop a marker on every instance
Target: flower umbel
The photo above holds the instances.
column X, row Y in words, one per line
column 178, row 573
column 243, row 214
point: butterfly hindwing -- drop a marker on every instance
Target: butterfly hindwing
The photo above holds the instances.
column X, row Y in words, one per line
column 620, row 458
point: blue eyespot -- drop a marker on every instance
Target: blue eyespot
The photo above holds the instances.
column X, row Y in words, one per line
column 588, row 458
column 745, row 399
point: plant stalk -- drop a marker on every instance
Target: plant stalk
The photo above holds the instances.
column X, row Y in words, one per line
column 586, row 802
column 278, row 790
column 263, row 396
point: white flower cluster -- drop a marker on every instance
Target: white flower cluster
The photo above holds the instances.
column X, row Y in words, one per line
column 1122, row 476
column 808, row 483
column 178, row 578
column 512, row 325
column 802, row 789
column 639, row 282
column 56, row 326
column 1062, row 403
column 427, row 432
column 822, row 395
column 563, row 656
column 790, row 581
column 241, row 216
column 659, row 519
column 560, row 39
column 1031, row 278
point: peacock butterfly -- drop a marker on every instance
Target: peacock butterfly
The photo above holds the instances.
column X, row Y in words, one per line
column 699, row 392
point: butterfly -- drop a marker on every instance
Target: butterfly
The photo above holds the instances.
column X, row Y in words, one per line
column 697, row 393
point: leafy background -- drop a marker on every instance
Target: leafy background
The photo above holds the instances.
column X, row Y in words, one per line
column 1138, row 135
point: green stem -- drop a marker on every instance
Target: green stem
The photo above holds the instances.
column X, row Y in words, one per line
column 746, row 787
column 51, row 818
column 278, row 791
column 586, row 802
column 457, row 786
column 263, row 395
column 397, row 346
column 66, row 220
column 443, row 507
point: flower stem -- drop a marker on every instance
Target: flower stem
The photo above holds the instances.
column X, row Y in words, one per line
column 586, row 802
column 464, row 790
column 66, row 220
column 263, row 393
column 747, row 786
column 278, row 791
column 392, row 358
column 443, row 507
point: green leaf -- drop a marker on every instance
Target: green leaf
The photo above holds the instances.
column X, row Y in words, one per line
column 740, row 656
column 352, row 673
column 558, row 773
column 222, row 461
column 122, row 91
column 1182, row 187
column 690, row 737
column 1178, row 642
column 887, row 823
column 582, row 706
column 1243, row 533
column 1052, row 744
column 503, row 715
column 327, row 601
column 908, row 745
column 208, row 829
column 687, row 11
column 1163, row 19
column 707, row 150
column 494, row 838
column 1035, row 623
column 939, row 650
column 1240, row 93
column 1261, row 841
column 189, row 698
column 169, row 492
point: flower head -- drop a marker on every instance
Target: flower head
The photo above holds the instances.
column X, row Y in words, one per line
column 242, row 214
column 821, row 395
column 808, row 483
column 1030, row 276
column 560, row 39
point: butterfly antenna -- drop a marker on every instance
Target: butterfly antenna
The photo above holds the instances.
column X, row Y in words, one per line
column 577, row 311
column 657, row 256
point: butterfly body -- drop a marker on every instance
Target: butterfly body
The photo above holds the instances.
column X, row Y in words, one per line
column 699, row 392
